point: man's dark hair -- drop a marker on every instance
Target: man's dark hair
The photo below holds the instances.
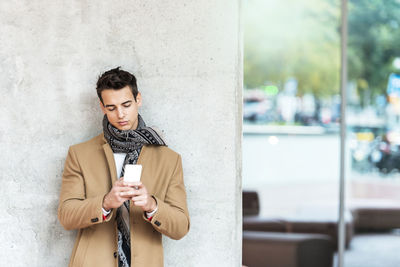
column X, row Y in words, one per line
column 116, row 79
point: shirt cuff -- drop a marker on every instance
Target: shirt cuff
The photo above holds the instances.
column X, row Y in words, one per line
column 151, row 214
column 105, row 212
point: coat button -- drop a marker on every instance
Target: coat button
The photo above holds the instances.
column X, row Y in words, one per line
column 95, row 220
column 115, row 254
column 157, row 223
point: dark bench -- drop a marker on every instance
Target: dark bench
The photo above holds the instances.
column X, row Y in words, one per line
column 266, row 249
column 312, row 224
column 376, row 218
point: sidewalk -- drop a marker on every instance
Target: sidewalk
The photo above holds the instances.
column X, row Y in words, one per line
column 283, row 129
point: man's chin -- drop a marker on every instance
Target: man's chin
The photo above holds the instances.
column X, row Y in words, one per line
column 123, row 127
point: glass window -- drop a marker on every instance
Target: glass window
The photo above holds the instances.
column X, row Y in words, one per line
column 291, row 141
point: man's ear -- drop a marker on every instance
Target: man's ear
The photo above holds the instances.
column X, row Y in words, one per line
column 102, row 107
column 139, row 99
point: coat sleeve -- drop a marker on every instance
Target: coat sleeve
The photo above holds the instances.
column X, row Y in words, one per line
column 172, row 216
column 75, row 211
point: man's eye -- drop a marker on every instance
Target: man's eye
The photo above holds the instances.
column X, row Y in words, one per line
column 111, row 109
column 127, row 105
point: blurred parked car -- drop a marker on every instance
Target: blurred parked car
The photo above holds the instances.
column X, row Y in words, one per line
column 258, row 110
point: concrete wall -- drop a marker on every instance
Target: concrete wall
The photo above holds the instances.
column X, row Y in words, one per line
column 187, row 58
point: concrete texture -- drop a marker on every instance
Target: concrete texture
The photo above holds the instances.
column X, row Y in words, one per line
column 187, row 58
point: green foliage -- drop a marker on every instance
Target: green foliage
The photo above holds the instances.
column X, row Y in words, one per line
column 301, row 39
column 293, row 38
column 373, row 43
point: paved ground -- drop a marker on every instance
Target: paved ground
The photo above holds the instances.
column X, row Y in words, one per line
column 297, row 176
column 374, row 250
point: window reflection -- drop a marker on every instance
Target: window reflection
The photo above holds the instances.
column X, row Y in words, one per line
column 291, row 114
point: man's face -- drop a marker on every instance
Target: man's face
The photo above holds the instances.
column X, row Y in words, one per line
column 121, row 108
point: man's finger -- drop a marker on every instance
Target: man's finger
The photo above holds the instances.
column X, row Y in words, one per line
column 125, row 189
column 122, row 182
column 134, row 184
column 139, row 203
column 129, row 192
column 119, row 182
column 140, row 192
column 139, row 198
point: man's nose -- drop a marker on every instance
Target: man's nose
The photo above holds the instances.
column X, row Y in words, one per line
column 120, row 113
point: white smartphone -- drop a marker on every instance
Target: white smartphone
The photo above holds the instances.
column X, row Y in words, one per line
column 132, row 172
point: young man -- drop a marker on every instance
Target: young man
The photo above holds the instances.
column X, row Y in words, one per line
column 120, row 223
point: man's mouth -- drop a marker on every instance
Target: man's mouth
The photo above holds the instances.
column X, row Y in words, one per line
column 122, row 123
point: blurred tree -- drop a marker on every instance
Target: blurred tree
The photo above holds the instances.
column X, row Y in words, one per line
column 373, row 44
column 292, row 38
column 301, row 39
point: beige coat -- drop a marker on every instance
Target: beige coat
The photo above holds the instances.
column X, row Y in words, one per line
column 89, row 173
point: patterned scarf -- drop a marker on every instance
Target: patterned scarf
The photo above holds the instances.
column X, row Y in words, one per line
column 131, row 143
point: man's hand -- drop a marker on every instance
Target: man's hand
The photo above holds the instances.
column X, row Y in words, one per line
column 141, row 197
column 119, row 193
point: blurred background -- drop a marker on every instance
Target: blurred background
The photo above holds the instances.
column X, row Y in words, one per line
column 291, row 113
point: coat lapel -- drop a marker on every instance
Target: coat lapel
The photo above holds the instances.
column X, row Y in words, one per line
column 110, row 160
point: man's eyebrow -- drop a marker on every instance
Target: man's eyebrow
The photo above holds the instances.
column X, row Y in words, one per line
column 124, row 103
column 127, row 102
